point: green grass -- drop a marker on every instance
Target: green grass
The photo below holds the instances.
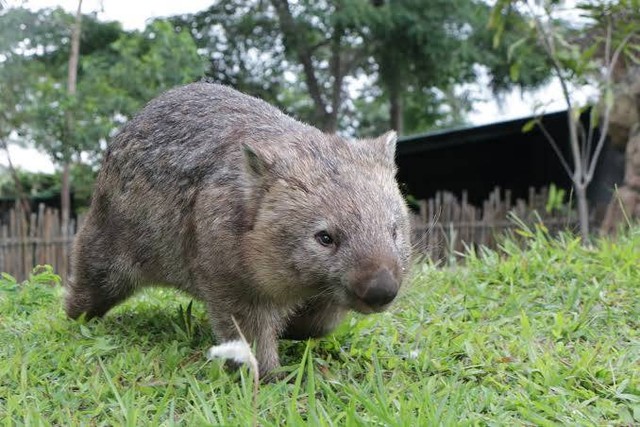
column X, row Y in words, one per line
column 544, row 336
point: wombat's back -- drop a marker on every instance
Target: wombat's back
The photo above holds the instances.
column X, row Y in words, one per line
column 189, row 132
column 187, row 141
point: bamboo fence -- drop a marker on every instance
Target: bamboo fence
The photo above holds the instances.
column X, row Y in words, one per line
column 445, row 227
column 35, row 238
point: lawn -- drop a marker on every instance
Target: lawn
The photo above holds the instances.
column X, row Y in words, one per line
column 545, row 335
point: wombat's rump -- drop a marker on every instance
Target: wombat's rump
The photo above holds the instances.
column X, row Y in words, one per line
column 262, row 217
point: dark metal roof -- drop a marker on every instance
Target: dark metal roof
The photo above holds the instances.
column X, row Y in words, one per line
column 471, row 134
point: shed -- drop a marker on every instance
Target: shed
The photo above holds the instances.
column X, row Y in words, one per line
column 476, row 159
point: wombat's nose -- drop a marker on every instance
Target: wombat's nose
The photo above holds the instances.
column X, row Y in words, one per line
column 382, row 289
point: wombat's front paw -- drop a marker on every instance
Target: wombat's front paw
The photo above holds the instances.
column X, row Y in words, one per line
column 266, row 376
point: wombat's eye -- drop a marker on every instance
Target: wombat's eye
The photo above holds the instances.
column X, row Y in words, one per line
column 324, row 238
column 394, row 231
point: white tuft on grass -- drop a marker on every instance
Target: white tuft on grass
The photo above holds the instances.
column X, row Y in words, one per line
column 238, row 351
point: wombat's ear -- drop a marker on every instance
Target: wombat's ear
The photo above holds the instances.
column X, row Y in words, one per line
column 386, row 145
column 256, row 165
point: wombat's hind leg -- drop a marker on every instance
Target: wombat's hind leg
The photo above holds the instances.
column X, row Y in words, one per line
column 95, row 292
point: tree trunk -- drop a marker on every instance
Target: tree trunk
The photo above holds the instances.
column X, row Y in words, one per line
column 625, row 203
column 624, row 206
column 337, row 72
column 295, row 42
column 583, row 211
column 65, row 196
column 71, row 87
column 396, row 110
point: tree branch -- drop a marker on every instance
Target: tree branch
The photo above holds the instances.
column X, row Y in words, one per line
column 294, row 42
column 338, row 76
column 607, row 51
column 555, row 146
column 318, row 45
column 584, row 152
column 353, row 58
column 607, row 108
column 573, row 137
column 591, row 132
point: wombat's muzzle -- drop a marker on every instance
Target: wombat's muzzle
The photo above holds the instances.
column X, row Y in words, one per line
column 378, row 291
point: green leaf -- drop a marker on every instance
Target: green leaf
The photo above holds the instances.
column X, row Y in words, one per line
column 594, row 116
column 528, row 127
column 514, row 71
column 514, row 47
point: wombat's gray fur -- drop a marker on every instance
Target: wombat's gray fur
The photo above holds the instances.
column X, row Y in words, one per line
column 263, row 218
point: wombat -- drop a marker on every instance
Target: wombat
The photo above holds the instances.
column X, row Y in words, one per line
column 262, row 217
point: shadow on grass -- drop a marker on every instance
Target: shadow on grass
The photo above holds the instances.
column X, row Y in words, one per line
column 160, row 324
column 146, row 322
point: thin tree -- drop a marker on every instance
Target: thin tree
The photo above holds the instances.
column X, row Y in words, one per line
column 325, row 112
column 585, row 144
column 72, row 78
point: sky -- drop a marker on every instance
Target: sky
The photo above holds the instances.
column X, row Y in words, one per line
column 133, row 14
